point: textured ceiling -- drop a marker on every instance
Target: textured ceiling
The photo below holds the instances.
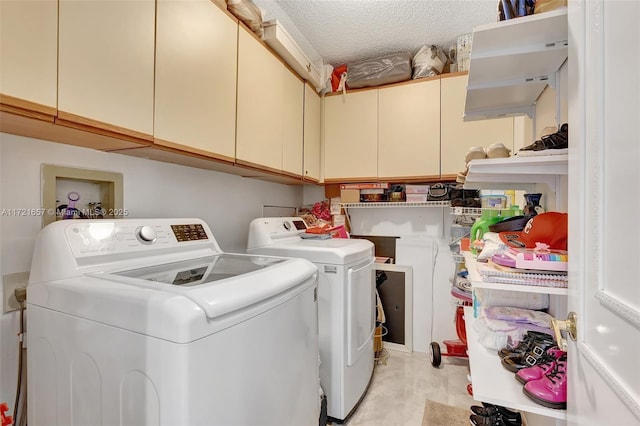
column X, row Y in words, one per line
column 343, row 31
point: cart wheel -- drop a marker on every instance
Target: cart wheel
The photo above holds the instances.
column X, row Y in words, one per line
column 435, row 355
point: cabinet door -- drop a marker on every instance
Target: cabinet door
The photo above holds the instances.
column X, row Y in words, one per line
column 458, row 136
column 312, row 111
column 292, row 123
column 106, row 63
column 351, row 136
column 195, row 90
column 409, row 131
column 260, row 107
column 29, row 55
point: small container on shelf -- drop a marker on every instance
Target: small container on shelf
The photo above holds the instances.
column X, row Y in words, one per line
column 493, row 201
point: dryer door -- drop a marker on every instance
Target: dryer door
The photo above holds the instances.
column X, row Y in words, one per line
column 360, row 311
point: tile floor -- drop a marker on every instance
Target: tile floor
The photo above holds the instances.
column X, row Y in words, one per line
column 399, row 389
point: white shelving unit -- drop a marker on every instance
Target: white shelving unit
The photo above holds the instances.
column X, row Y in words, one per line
column 512, row 62
column 494, row 384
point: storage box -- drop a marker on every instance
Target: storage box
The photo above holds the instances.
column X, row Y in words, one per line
column 416, row 198
column 416, row 189
column 464, row 46
column 463, row 64
column 349, row 195
column 279, row 40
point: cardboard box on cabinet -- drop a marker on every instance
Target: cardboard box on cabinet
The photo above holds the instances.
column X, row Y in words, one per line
column 349, row 195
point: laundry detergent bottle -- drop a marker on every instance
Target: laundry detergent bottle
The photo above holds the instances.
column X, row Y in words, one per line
column 481, row 225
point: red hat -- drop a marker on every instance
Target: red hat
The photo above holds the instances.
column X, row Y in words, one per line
column 549, row 228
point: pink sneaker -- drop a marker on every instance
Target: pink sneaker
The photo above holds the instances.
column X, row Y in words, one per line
column 546, row 363
column 551, row 390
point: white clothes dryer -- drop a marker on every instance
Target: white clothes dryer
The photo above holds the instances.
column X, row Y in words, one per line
column 148, row 322
column 346, row 288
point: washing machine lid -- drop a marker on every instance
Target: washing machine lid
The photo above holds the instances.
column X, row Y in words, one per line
column 197, row 272
column 179, row 301
column 337, row 251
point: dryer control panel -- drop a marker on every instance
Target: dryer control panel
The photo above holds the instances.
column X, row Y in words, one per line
column 264, row 231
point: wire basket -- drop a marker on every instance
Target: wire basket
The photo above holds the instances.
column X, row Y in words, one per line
column 380, row 353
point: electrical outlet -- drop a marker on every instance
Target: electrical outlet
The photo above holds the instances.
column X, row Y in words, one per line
column 9, row 283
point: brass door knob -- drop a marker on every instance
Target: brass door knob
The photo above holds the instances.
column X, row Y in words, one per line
column 570, row 325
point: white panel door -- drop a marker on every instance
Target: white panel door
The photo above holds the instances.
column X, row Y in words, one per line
column 292, row 122
column 604, row 177
column 312, row 115
column 29, row 51
column 409, row 130
column 106, row 63
column 196, row 69
column 351, row 136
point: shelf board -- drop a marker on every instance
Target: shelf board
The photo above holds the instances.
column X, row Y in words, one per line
column 466, row 211
column 494, row 384
column 516, row 34
column 384, row 204
column 516, row 170
column 512, row 62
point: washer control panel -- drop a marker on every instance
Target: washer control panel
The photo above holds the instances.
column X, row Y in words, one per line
column 190, row 232
column 101, row 237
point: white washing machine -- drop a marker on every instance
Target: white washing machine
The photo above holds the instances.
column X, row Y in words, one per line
column 148, row 322
column 346, row 288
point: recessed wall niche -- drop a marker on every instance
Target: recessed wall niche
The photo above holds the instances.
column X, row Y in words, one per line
column 75, row 193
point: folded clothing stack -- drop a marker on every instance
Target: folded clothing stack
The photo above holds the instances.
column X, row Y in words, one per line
column 498, row 327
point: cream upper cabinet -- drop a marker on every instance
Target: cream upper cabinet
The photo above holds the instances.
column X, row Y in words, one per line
column 292, row 123
column 268, row 98
column 409, row 131
column 351, row 136
column 457, row 136
column 195, row 89
column 29, row 54
column 106, row 65
column 312, row 115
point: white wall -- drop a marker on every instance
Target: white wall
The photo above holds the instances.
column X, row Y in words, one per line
column 427, row 251
column 151, row 189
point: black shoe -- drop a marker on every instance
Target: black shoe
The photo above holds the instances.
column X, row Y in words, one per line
column 526, row 344
column 490, row 410
column 535, row 356
column 557, row 140
column 495, row 420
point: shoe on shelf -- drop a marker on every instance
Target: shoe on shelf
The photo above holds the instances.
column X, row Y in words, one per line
column 554, row 141
column 518, row 361
column 475, row 153
column 551, row 390
column 545, row 364
column 526, row 344
column 488, row 410
column 495, row 420
column 498, row 150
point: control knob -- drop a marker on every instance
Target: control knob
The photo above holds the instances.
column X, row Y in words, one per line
column 146, row 234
